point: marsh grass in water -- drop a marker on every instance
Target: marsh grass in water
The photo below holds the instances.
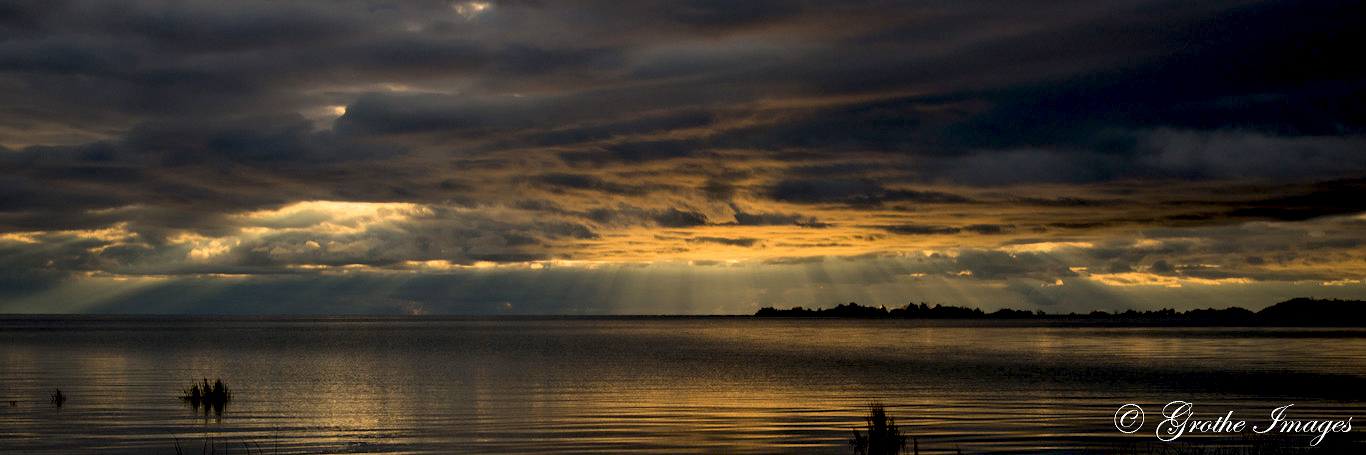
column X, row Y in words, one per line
column 882, row 437
column 214, row 397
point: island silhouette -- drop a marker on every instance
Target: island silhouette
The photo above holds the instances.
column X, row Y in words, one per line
column 1301, row 311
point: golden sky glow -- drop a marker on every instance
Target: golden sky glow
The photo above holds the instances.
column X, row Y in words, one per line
column 484, row 157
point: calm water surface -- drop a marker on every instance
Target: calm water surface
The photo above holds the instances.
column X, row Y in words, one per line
column 642, row 385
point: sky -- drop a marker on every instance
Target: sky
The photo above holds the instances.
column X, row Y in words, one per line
column 677, row 156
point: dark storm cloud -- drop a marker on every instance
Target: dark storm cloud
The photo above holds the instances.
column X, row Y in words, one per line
column 1274, row 201
column 107, row 64
column 1091, row 90
column 745, row 218
column 1066, row 202
column 379, row 113
column 628, row 215
column 988, row 229
column 854, row 193
column 599, row 132
column 1237, row 66
column 996, row 265
column 251, row 140
column 923, row 229
column 795, row 260
column 919, row 229
column 287, row 141
column 1098, row 99
column 562, row 181
column 29, row 194
column 1080, row 225
column 744, row 242
column 46, row 262
column 776, row 219
column 151, row 132
column 183, row 173
column 1326, row 198
column 675, row 218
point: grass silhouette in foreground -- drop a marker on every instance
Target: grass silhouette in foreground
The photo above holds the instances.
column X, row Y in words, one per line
column 215, row 397
column 883, row 437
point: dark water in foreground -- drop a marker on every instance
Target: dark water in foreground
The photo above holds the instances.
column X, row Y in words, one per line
column 643, row 385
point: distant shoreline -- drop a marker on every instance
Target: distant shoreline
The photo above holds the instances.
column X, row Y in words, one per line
column 1301, row 312
column 1294, row 312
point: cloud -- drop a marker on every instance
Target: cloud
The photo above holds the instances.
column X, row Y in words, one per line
column 988, row 229
column 743, row 218
column 1002, row 146
column 1322, row 199
column 917, row 229
column 561, row 181
column 742, row 242
column 675, row 218
column 854, row 193
column 996, row 265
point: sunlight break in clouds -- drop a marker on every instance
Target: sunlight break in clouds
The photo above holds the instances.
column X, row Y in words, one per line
column 694, row 157
column 470, row 9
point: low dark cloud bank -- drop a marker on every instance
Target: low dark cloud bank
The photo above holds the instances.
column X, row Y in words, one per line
column 185, row 138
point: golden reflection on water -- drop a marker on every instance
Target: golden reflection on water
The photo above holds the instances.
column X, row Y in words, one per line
column 638, row 386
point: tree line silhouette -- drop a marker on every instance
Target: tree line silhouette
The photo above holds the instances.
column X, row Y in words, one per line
column 1297, row 311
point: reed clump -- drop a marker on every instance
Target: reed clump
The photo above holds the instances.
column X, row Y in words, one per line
column 214, row 396
column 883, row 437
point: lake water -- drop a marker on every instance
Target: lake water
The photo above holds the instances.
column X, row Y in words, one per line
column 644, row 385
